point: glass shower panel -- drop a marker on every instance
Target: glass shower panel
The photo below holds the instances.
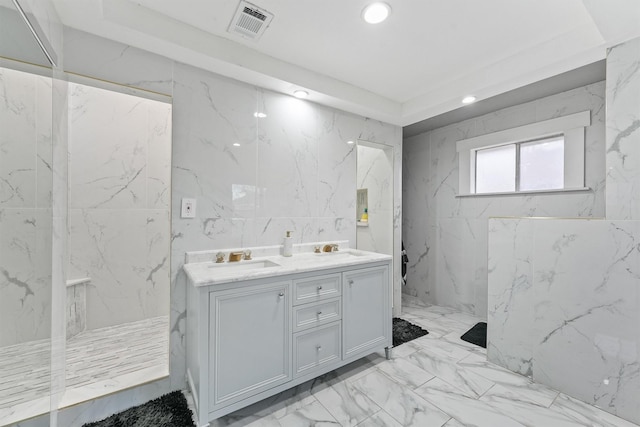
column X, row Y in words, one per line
column 25, row 222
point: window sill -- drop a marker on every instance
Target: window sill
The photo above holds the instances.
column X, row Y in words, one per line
column 520, row 193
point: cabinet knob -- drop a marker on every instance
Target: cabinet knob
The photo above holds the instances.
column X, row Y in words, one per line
column 319, row 313
column 350, row 282
column 319, row 288
column 281, row 294
column 318, row 347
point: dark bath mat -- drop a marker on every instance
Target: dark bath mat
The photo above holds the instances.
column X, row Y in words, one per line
column 404, row 331
column 170, row 410
column 476, row 335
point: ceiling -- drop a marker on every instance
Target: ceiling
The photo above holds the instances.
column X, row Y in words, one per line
column 416, row 65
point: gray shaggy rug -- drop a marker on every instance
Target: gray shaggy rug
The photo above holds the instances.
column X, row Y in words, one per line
column 170, row 410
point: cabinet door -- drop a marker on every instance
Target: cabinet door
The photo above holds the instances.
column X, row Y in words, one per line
column 366, row 311
column 250, row 341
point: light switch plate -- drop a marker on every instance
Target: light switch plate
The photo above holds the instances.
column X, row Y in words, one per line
column 188, row 208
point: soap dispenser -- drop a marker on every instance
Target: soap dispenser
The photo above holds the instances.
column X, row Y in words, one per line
column 287, row 250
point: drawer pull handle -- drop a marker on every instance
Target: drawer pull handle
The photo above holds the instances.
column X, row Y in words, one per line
column 319, row 347
column 281, row 294
column 319, row 313
column 319, row 288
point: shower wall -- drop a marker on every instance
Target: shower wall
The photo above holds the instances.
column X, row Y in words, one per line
column 446, row 236
column 119, row 195
column 25, row 207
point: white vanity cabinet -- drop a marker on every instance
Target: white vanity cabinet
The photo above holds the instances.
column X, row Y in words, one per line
column 367, row 312
column 248, row 340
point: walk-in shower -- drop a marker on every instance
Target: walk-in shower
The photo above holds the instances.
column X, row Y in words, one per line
column 105, row 326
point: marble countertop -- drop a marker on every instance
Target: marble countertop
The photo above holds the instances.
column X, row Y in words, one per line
column 211, row 273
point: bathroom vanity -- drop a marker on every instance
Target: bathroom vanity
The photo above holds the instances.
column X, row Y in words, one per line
column 258, row 327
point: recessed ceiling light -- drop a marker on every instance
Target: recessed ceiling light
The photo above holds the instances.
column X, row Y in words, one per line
column 375, row 13
column 300, row 93
column 259, row 115
column 349, row 142
column 468, row 99
column 236, row 144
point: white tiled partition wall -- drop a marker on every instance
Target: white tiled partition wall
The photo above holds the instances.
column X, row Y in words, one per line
column 623, row 131
column 564, row 307
column 446, row 236
column 564, row 301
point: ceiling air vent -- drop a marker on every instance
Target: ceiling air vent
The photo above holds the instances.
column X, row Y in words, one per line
column 250, row 21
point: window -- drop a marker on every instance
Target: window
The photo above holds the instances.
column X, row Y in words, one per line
column 524, row 166
column 543, row 156
column 496, row 169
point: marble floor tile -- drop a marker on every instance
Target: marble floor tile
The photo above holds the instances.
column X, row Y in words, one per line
column 525, row 411
column 271, row 408
column 444, row 349
column 346, row 403
column 464, row 389
column 401, row 403
column 514, row 386
column 587, row 415
column 469, row 383
column 313, row 414
column 466, row 410
column 380, row 419
column 404, row 373
column 453, row 423
column 403, row 350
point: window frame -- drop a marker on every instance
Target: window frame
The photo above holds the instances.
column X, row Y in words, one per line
column 572, row 127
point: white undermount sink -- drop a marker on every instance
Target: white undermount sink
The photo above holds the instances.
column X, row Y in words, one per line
column 244, row 265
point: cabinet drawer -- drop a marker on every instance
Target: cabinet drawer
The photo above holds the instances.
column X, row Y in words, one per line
column 316, row 348
column 316, row 314
column 316, row 288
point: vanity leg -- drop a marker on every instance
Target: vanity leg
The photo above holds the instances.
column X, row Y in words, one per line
column 388, row 352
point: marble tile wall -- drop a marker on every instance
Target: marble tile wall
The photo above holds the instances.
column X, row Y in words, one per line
column 119, row 195
column 623, row 131
column 293, row 170
column 568, row 287
column 25, row 206
column 375, row 173
column 446, row 236
column 510, row 293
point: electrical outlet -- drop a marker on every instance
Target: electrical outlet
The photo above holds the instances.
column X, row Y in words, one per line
column 188, row 208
